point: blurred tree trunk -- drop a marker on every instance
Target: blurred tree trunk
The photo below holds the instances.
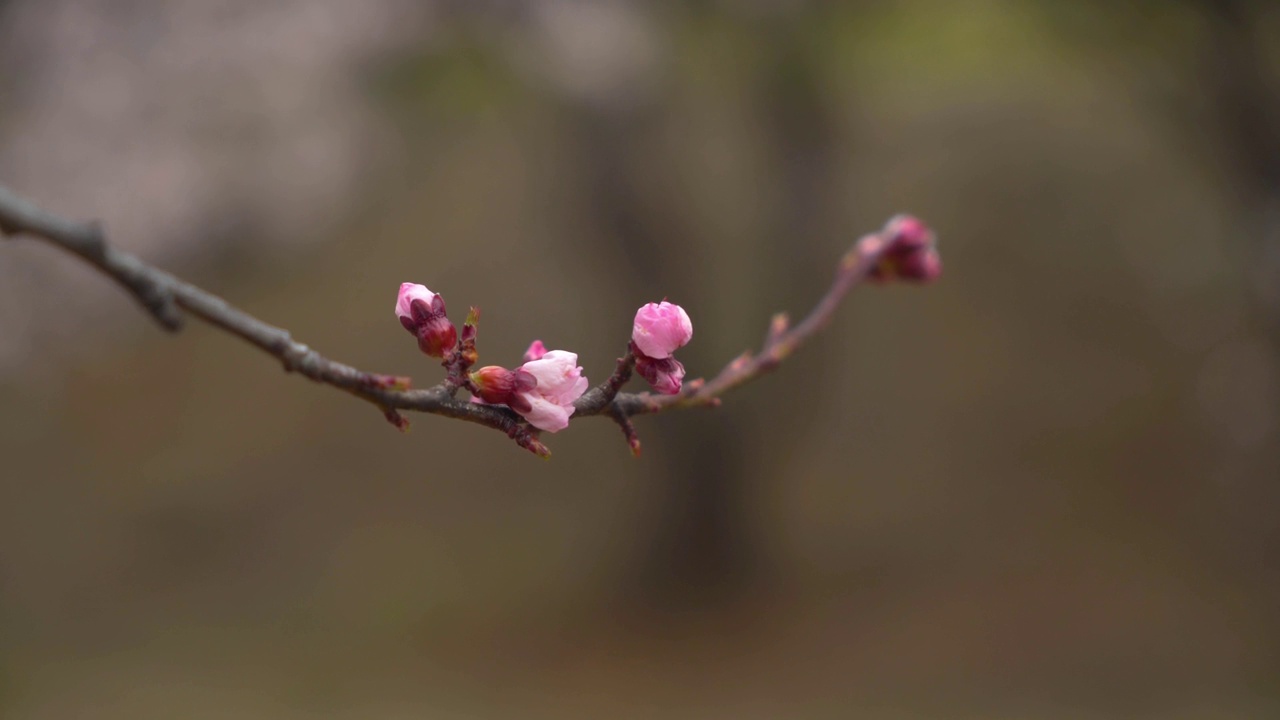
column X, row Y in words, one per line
column 1244, row 92
column 705, row 544
column 703, row 547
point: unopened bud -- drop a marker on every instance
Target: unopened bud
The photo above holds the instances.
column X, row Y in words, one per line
column 437, row 336
column 922, row 266
column 422, row 313
column 910, row 255
column 661, row 328
column 665, row 375
column 907, row 232
column 496, row 385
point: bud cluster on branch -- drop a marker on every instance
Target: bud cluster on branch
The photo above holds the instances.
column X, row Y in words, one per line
column 548, row 388
column 544, row 389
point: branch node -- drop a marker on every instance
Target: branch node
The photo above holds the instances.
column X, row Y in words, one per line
column 293, row 355
column 376, row 381
column 159, row 302
column 394, row 417
column 527, row 438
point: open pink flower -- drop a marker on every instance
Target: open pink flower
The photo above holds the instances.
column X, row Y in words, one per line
column 550, row 402
column 422, row 313
column 660, row 329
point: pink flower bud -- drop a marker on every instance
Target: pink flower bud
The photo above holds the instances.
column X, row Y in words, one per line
column 922, row 266
column 536, row 351
column 911, row 254
column 437, row 336
column 549, row 403
column 665, row 375
column 411, row 295
column 422, row 313
column 906, row 233
column 495, row 384
column 660, row 329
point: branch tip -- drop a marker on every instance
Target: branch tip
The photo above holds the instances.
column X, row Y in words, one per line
column 394, row 417
column 628, row 428
column 527, row 437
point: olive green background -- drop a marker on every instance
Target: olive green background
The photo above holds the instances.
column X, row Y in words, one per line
column 1045, row 487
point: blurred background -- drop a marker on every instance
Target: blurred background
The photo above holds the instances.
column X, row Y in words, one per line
column 1046, row 487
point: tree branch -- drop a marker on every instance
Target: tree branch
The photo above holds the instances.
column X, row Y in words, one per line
column 165, row 297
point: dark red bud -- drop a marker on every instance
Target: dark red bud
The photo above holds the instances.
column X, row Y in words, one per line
column 498, row 385
column 906, row 233
column 436, row 336
column 911, row 254
column 922, row 266
column 423, row 312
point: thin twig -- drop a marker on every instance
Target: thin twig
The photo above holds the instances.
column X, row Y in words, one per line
column 779, row 343
column 165, row 297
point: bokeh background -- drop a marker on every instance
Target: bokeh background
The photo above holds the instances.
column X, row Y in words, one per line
column 1046, row 487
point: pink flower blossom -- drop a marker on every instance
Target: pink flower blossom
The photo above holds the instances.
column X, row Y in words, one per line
column 665, row 375
column 536, row 351
column 548, row 405
column 661, row 328
column 422, row 313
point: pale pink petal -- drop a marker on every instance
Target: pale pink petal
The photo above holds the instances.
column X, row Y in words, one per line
column 547, row 415
column 579, row 387
column 408, row 293
column 557, row 373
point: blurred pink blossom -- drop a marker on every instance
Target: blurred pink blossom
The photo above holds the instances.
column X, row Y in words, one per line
column 536, row 351
column 911, row 254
